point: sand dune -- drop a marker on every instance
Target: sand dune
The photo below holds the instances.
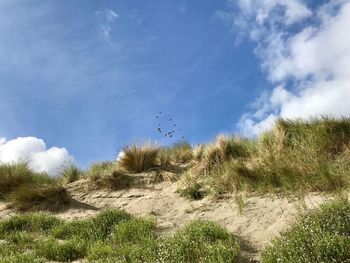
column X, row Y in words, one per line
column 260, row 219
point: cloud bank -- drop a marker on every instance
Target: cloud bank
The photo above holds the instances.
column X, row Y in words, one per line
column 305, row 54
column 34, row 151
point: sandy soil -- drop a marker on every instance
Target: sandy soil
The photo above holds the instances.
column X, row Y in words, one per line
column 259, row 220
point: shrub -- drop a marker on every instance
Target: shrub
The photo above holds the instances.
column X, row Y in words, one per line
column 23, row 258
column 139, row 159
column 61, row 251
column 111, row 236
column 135, row 230
column 200, row 241
column 101, row 252
column 97, row 228
column 75, row 229
column 30, row 222
column 320, row 236
column 104, row 223
column 39, row 198
column 136, row 253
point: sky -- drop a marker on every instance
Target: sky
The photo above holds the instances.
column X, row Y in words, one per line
column 81, row 79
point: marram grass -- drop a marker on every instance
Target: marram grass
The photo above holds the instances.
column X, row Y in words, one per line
column 26, row 190
column 296, row 155
column 138, row 159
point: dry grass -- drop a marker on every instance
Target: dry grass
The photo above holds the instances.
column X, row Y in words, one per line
column 304, row 154
column 45, row 198
column 181, row 153
column 13, row 176
column 108, row 175
column 295, row 155
column 116, row 180
column 71, row 174
column 139, row 159
column 26, row 190
column 198, row 152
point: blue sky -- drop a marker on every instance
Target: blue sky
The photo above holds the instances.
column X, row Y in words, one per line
column 90, row 76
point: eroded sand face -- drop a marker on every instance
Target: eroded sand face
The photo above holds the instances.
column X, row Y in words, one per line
column 261, row 219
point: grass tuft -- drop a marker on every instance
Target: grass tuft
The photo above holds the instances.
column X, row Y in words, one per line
column 193, row 191
column 115, row 180
column 71, row 174
column 139, row 159
column 16, row 175
column 44, row 198
column 108, row 175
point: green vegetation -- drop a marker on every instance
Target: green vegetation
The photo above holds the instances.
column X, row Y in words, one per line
column 100, row 169
column 111, row 236
column 194, row 191
column 201, row 241
column 17, row 175
column 71, row 174
column 294, row 156
column 26, row 190
column 320, row 236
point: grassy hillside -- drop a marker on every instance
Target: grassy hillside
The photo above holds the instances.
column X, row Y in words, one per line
column 293, row 157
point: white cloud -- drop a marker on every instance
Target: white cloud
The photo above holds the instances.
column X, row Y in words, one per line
column 120, row 155
column 292, row 10
column 310, row 67
column 33, row 151
column 2, row 140
column 105, row 20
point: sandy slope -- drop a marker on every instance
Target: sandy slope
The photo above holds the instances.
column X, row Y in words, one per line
column 261, row 219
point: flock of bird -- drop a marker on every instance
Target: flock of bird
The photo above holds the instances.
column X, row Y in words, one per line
column 170, row 128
